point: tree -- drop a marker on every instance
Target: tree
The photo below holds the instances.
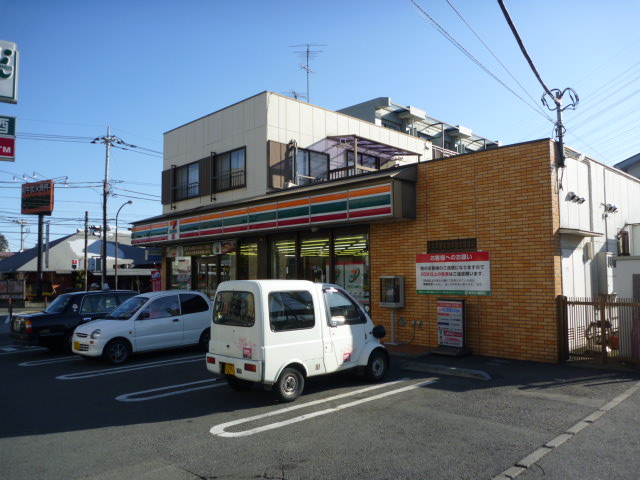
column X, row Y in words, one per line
column 4, row 243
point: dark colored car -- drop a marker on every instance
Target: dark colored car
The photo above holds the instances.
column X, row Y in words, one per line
column 53, row 327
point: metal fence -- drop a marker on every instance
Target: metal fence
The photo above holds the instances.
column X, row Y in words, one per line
column 604, row 328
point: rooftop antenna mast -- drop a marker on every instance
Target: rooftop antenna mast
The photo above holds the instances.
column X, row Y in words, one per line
column 307, row 54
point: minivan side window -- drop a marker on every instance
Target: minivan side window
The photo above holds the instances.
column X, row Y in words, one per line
column 161, row 308
column 342, row 308
column 234, row 308
column 291, row 311
column 192, row 303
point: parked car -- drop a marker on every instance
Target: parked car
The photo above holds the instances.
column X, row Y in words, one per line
column 279, row 332
column 53, row 327
column 149, row 321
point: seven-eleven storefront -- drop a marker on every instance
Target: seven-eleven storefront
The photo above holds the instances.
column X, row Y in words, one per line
column 319, row 233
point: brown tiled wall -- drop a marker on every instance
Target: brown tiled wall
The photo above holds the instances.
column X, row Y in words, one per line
column 504, row 198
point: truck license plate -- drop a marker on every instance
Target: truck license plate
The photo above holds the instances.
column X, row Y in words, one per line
column 76, row 345
column 229, row 369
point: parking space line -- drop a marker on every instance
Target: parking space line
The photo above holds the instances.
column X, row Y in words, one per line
column 19, row 349
column 130, row 368
column 219, row 430
column 141, row 397
column 38, row 363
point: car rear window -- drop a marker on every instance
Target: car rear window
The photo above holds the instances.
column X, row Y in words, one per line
column 192, row 303
column 234, row 308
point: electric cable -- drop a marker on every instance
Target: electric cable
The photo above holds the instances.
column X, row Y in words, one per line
column 451, row 39
column 497, row 59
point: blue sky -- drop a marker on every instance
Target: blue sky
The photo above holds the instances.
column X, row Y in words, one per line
column 144, row 67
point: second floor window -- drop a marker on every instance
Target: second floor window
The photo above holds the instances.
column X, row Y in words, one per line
column 187, row 181
column 229, row 170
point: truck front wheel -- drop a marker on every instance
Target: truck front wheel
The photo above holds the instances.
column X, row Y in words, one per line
column 289, row 385
column 377, row 367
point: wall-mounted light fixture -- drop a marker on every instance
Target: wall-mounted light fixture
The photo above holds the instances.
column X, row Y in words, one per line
column 610, row 207
column 574, row 197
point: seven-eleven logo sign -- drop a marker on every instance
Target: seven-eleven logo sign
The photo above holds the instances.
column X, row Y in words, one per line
column 7, row 148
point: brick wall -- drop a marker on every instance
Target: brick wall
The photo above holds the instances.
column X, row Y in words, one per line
column 505, row 199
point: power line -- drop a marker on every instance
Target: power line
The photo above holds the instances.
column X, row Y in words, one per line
column 459, row 46
column 498, row 60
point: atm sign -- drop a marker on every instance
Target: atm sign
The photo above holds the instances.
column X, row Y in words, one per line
column 7, row 148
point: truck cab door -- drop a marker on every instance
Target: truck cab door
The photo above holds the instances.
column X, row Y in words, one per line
column 347, row 329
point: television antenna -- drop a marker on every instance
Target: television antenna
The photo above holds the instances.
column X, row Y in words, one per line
column 307, row 54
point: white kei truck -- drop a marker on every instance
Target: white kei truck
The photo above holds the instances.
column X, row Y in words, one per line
column 279, row 332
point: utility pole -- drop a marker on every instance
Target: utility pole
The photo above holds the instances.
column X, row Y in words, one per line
column 86, row 244
column 554, row 95
column 22, row 223
column 108, row 141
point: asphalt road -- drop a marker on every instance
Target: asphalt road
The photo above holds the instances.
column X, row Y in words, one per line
column 163, row 416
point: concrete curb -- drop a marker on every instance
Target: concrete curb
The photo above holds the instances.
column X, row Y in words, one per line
column 446, row 370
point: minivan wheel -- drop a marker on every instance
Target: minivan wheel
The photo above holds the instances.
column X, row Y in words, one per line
column 377, row 366
column 203, row 344
column 289, row 385
column 116, row 352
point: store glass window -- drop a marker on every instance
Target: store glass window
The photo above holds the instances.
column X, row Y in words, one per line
column 283, row 257
column 248, row 260
column 352, row 266
column 315, row 256
column 181, row 273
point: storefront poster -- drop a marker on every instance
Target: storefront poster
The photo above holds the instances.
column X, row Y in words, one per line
column 465, row 273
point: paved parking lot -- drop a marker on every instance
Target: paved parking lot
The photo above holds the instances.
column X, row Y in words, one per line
column 163, row 416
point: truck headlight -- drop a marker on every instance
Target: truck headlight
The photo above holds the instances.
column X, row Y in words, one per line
column 96, row 333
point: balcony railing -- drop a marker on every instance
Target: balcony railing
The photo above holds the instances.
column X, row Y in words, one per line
column 228, row 181
column 439, row 152
column 185, row 190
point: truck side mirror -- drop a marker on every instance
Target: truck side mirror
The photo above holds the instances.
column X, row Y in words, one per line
column 379, row 331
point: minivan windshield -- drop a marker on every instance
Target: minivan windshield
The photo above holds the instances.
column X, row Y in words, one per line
column 59, row 304
column 127, row 309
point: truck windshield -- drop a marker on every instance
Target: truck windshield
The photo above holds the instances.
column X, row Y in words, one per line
column 234, row 308
column 59, row 304
column 127, row 309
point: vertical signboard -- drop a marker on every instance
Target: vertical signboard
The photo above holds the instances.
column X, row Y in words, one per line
column 451, row 323
column 156, row 281
column 8, row 72
column 465, row 273
column 7, row 138
column 451, row 328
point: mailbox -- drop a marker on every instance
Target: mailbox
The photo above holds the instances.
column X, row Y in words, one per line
column 392, row 291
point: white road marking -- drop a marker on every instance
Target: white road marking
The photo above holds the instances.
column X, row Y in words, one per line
column 219, row 430
column 129, row 397
column 19, row 349
column 130, row 368
column 38, row 363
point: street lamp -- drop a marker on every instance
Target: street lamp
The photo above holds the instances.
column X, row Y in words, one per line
column 115, row 266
